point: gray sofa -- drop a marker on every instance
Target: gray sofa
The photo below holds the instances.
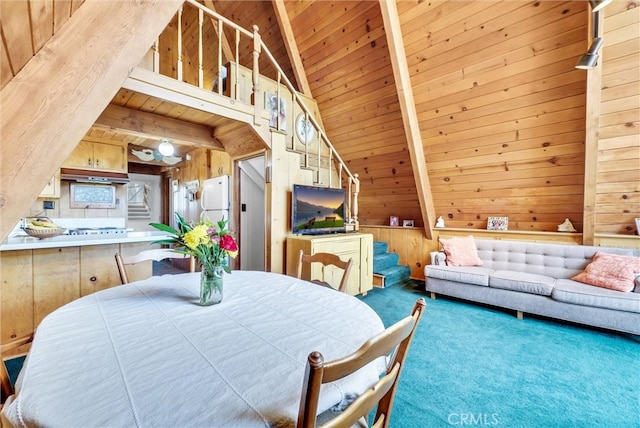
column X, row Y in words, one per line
column 534, row 278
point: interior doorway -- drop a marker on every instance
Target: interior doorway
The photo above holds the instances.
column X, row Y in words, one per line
column 144, row 201
column 252, row 209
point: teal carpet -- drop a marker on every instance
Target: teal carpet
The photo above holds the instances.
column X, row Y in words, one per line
column 472, row 365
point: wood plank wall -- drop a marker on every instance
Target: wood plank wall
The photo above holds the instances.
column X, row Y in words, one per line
column 618, row 174
column 346, row 59
column 501, row 108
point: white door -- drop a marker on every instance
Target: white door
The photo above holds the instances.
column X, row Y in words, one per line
column 252, row 208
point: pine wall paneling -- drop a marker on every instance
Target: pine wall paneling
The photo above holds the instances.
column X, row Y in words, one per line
column 347, row 64
column 501, row 109
column 260, row 13
column 618, row 164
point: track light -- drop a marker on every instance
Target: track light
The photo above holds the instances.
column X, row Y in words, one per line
column 597, row 5
column 166, row 148
column 590, row 59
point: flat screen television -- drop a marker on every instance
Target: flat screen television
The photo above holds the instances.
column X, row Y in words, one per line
column 317, row 210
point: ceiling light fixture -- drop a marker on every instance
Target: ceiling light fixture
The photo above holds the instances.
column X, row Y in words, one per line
column 590, row 59
column 166, row 148
column 597, row 5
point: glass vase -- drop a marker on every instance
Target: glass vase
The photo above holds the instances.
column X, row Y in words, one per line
column 211, row 286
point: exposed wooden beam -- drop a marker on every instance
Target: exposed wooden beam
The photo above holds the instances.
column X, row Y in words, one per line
column 226, row 47
column 61, row 91
column 409, row 116
column 167, row 89
column 592, row 123
column 152, row 126
column 292, row 47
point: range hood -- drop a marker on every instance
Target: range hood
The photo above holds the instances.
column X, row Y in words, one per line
column 90, row 176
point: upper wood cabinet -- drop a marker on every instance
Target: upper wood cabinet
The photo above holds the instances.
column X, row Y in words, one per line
column 52, row 189
column 102, row 156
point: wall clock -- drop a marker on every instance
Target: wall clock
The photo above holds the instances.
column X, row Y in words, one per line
column 304, row 129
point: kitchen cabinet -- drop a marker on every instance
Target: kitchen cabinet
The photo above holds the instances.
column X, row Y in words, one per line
column 36, row 282
column 56, row 280
column 358, row 246
column 98, row 156
column 98, row 270
column 16, row 304
column 52, row 189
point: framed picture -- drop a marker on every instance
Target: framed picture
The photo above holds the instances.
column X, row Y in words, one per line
column 304, row 129
column 92, row 196
column 393, row 221
column 637, row 225
column 277, row 116
column 497, row 223
column 407, row 223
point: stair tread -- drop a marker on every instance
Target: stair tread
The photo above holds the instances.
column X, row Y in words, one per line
column 385, row 265
column 391, row 269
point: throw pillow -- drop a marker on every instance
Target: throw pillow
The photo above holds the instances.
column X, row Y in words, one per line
column 610, row 271
column 461, row 251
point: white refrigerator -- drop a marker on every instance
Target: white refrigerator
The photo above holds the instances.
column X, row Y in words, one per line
column 215, row 199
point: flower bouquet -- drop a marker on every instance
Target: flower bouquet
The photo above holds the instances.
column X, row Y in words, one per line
column 211, row 244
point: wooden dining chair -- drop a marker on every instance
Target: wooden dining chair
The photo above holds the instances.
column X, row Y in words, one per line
column 327, row 259
column 5, row 381
column 393, row 342
column 154, row 255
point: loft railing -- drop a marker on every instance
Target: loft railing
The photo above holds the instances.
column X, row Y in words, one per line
column 252, row 40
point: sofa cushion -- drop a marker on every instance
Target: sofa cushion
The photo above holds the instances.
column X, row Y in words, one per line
column 467, row 274
column 577, row 293
column 610, row 271
column 554, row 260
column 461, row 251
column 521, row 281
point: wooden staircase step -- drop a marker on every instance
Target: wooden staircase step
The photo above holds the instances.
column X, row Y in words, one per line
column 378, row 280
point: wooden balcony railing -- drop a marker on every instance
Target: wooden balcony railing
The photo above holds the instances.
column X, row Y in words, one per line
column 243, row 38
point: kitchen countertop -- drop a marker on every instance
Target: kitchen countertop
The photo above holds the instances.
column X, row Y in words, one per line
column 31, row 243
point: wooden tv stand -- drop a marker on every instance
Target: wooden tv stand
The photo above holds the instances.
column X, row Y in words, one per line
column 358, row 246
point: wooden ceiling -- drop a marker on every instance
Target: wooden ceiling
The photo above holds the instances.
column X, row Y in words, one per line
column 351, row 50
column 501, row 108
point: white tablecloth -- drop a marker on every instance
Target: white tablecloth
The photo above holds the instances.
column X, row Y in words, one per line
column 145, row 354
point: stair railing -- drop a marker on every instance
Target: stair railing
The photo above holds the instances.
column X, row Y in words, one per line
column 258, row 46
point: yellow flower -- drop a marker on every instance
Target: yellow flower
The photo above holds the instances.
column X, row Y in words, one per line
column 198, row 235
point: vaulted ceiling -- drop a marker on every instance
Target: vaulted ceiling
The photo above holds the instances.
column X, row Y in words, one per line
column 345, row 60
column 500, row 107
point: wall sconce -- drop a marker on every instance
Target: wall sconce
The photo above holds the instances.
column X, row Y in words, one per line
column 597, row 5
column 166, row 148
column 590, row 59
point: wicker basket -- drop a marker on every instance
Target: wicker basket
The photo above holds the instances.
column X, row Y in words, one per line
column 45, row 233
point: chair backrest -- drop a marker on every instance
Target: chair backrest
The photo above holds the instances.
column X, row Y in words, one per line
column 327, row 259
column 395, row 339
column 157, row 255
column 5, row 381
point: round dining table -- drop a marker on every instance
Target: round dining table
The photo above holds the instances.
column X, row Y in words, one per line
column 146, row 354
